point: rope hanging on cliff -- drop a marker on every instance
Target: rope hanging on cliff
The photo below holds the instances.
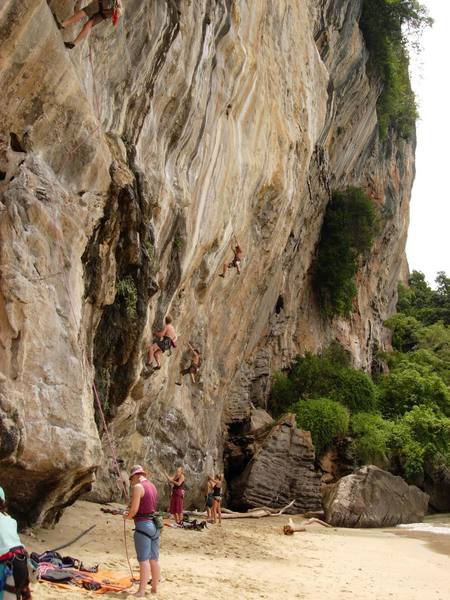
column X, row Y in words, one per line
column 109, row 437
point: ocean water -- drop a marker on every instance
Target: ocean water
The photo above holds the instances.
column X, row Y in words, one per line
column 432, row 524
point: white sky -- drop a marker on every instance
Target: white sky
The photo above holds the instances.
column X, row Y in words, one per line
column 428, row 247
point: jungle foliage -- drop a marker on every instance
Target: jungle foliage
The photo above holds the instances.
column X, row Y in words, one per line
column 389, row 27
column 398, row 420
column 348, row 230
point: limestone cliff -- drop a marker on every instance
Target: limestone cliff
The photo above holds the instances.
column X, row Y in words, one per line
column 127, row 164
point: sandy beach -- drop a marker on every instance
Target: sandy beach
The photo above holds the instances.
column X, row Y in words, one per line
column 249, row 559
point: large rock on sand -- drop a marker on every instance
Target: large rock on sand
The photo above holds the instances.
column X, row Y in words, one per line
column 281, row 469
column 371, row 497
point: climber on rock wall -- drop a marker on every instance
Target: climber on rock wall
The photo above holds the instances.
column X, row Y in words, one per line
column 166, row 339
column 97, row 11
column 194, row 368
column 237, row 259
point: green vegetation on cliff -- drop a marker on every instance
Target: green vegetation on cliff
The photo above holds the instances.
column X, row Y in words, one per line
column 386, row 25
column 348, row 230
column 401, row 419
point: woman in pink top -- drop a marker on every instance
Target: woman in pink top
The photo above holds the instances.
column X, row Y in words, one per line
column 146, row 535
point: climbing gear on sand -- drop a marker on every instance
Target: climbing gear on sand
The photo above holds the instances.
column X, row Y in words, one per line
column 113, row 511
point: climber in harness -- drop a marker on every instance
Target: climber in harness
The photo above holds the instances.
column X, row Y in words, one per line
column 194, row 368
column 97, row 11
column 166, row 339
column 14, row 577
column 237, row 259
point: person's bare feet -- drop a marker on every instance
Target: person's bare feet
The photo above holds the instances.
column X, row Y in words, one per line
column 139, row 594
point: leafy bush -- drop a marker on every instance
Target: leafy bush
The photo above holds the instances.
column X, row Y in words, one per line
column 348, row 230
column 405, row 332
column 421, row 436
column 406, row 387
column 324, row 418
column 315, row 376
column 126, row 290
column 424, row 304
column 385, row 24
column 283, row 394
column 372, row 435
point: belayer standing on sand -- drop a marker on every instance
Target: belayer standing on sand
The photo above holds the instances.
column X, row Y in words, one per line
column 194, row 368
column 177, row 498
column 165, row 340
column 13, row 557
column 146, row 534
column 217, row 498
column 237, row 259
column 208, row 493
column 96, row 11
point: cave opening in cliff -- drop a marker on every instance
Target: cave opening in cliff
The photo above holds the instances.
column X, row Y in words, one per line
column 279, row 306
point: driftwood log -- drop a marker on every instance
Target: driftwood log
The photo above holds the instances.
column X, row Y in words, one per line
column 292, row 527
column 253, row 513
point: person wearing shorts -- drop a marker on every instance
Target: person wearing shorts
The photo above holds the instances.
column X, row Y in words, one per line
column 237, row 259
column 96, row 11
column 217, row 498
column 164, row 340
column 194, row 368
column 146, row 535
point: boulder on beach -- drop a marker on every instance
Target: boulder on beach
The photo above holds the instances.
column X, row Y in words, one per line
column 371, row 497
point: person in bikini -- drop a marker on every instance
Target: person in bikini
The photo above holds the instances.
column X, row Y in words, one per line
column 165, row 340
column 97, row 11
column 194, row 368
column 237, row 259
column 143, row 505
column 208, row 487
column 217, row 498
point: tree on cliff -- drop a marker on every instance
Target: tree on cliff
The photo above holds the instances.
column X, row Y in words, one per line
column 388, row 26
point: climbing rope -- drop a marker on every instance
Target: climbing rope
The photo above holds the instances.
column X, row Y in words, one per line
column 122, row 487
column 126, row 549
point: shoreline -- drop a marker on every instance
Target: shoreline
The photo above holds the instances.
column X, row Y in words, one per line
column 437, row 542
column 251, row 559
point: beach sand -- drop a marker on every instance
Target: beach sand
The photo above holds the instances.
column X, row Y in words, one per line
column 249, row 559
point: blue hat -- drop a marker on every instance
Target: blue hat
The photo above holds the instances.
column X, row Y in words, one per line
column 2, row 494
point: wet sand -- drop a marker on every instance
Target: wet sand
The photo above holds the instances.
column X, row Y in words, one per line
column 435, row 542
column 250, row 559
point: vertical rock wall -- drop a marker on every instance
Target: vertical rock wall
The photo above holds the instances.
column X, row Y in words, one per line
column 128, row 164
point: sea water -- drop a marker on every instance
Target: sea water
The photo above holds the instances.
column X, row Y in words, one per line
column 439, row 523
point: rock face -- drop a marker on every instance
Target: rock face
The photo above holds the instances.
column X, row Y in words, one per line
column 126, row 165
column 371, row 497
column 437, row 485
column 280, row 469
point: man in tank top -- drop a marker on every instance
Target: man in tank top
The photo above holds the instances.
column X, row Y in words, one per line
column 143, row 505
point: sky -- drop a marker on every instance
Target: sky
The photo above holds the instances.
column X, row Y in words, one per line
column 428, row 247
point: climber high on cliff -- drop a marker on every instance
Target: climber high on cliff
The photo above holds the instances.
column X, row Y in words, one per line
column 194, row 367
column 97, row 11
column 164, row 340
column 237, row 259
